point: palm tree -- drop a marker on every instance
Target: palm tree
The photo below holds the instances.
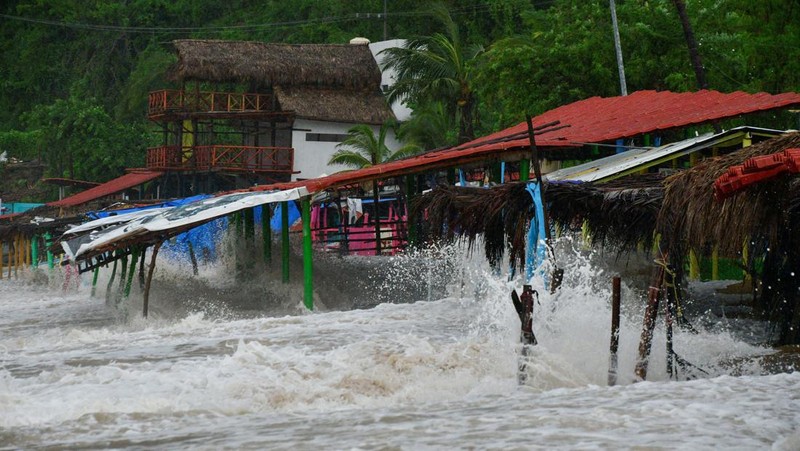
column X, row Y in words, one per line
column 362, row 148
column 437, row 68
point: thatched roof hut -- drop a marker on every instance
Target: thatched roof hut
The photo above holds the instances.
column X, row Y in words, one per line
column 330, row 82
column 691, row 218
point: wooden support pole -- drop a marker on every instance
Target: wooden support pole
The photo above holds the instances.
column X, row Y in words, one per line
column 615, row 308
column 193, row 258
column 266, row 232
column 650, row 314
column 141, row 268
column 285, row 241
column 558, row 274
column 308, row 267
column 17, row 255
column 694, row 265
column 10, row 257
column 1, row 259
column 28, row 252
column 147, row 284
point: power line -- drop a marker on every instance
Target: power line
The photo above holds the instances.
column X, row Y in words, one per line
column 219, row 29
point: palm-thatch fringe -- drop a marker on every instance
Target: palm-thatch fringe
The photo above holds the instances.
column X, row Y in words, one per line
column 692, row 219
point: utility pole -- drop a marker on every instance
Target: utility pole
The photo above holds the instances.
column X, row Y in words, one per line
column 385, row 27
column 620, row 66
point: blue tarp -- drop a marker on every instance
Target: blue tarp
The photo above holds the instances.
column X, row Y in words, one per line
column 17, row 207
column 535, row 252
column 275, row 222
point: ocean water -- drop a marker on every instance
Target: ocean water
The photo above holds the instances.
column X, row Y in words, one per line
column 226, row 363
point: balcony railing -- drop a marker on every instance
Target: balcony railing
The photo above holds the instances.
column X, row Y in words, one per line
column 176, row 101
column 224, row 158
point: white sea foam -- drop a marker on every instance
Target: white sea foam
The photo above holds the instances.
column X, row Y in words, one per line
column 430, row 374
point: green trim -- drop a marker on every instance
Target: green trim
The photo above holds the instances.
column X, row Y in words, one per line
column 285, row 240
column 308, row 267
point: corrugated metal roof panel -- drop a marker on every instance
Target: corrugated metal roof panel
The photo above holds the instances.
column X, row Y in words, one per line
column 608, row 167
column 599, row 119
column 106, row 189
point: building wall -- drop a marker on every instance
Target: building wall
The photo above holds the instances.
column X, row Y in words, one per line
column 315, row 141
column 401, row 111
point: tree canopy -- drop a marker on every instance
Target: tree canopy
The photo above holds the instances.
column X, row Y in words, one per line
column 74, row 76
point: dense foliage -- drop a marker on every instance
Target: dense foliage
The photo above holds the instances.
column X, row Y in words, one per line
column 74, row 75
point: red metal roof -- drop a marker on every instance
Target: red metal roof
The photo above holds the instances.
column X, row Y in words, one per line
column 108, row 188
column 603, row 119
column 593, row 120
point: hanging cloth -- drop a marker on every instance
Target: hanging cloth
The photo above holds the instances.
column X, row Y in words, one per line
column 535, row 251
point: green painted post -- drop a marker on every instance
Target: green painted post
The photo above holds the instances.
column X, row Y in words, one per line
column 48, row 241
column 308, row 268
column 111, row 280
column 250, row 224
column 285, row 240
column 524, row 170
column 35, row 251
column 266, row 232
column 94, row 280
column 132, row 271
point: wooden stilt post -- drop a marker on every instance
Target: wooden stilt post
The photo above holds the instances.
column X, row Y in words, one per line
column 308, row 268
column 285, row 240
column 1, row 260
column 28, row 252
column 615, row 307
column 650, row 314
column 10, row 257
column 266, row 232
column 146, row 298
column 193, row 258
column 141, row 268
column 17, row 255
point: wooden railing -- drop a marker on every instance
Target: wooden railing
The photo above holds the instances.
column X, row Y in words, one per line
column 176, row 101
column 219, row 157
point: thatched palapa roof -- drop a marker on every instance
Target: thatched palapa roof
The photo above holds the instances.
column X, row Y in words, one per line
column 632, row 210
column 330, row 82
column 692, row 218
